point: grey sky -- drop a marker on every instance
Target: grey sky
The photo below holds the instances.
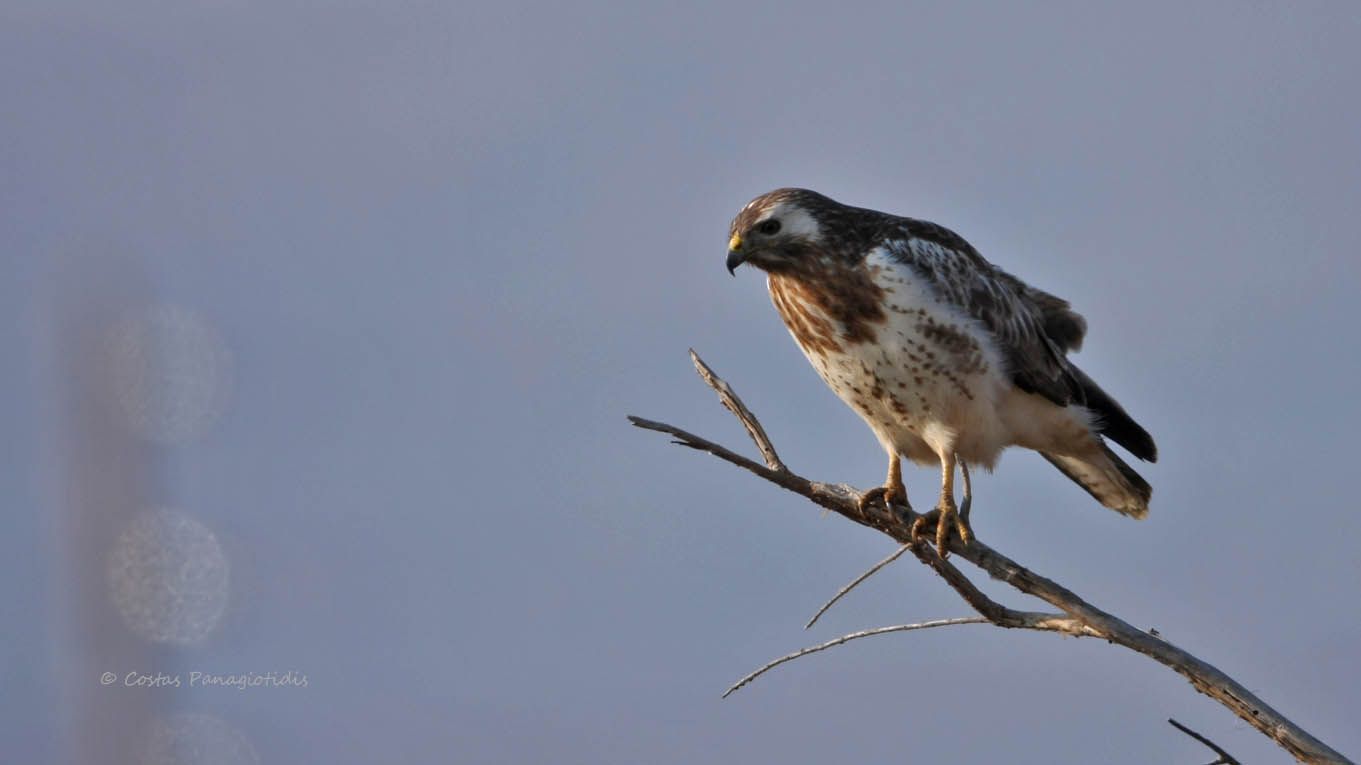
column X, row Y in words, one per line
column 450, row 246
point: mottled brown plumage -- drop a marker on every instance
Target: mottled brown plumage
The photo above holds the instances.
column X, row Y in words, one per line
column 947, row 357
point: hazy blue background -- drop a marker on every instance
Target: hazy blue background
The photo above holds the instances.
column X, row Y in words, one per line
column 448, row 246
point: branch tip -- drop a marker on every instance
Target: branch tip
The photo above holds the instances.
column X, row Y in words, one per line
column 848, row 638
column 1078, row 617
column 856, row 582
column 734, row 404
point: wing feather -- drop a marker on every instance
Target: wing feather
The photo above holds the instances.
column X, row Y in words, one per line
column 1033, row 329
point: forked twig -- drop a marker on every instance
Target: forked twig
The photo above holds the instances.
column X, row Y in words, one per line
column 849, row 638
column 1078, row 616
column 734, row 404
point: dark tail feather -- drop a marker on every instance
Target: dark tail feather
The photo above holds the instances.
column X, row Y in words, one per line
column 1107, row 478
column 1113, row 422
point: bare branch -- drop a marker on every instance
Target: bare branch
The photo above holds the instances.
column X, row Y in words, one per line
column 855, row 582
column 1082, row 618
column 1224, row 757
column 740, row 411
column 849, row 638
column 1015, row 619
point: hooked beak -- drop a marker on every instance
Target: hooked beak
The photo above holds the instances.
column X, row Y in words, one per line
column 735, row 255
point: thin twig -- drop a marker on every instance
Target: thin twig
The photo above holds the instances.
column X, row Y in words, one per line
column 1080, row 617
column 734, row 404
column 849, row 638
column 1224, row 757
column 856, row 582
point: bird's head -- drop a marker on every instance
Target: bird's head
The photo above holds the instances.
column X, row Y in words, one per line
column 775, row 230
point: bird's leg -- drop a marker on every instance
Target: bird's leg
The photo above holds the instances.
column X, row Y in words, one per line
column 891, row 490
column 947, row 516
column 966, row 503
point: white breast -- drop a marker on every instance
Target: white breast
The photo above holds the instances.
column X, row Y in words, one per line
column 929, row 381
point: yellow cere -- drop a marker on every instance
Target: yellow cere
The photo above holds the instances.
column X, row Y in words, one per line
column 735, row 243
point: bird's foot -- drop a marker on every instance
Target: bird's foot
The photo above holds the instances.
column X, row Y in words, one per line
column 946, row 518
column 887, row 494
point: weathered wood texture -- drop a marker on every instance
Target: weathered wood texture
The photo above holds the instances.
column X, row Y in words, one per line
column 1075, row 616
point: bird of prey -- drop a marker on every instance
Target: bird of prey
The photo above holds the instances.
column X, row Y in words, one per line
column 948, row 358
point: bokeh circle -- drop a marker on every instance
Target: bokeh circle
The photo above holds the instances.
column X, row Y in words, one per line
column 169, row 577
column 170, row 373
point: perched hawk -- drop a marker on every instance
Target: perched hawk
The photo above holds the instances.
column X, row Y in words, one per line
column 948, row 358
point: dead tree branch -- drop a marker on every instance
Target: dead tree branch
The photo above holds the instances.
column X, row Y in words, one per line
column 1224, row 757
column 848, row 638
column 895, row 555
column 734, row 404
column 1078, row 617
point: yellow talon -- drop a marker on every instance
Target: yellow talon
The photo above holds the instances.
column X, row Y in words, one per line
column 891, row 490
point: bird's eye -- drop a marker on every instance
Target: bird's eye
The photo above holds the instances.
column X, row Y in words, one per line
column 769, row 227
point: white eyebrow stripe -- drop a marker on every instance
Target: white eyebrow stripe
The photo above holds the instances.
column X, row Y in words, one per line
column 794, row 220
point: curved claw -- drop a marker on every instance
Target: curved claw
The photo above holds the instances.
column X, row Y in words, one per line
column 946, row 518
column 891, row 490
column 962, row 527
column 870, row 497
column 923, row 521
column 886, row 494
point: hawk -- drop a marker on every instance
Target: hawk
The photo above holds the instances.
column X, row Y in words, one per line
column 948, row 358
